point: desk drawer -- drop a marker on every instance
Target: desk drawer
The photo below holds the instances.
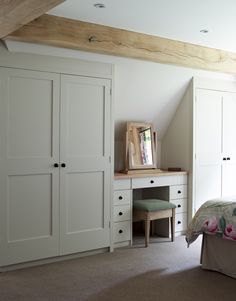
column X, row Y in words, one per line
column 121, row 197
column 122, row 231
column 122, row 213
column 180, row 222
column 158, row 181
column 122, row 184
column 181, row 205
column 178, row 192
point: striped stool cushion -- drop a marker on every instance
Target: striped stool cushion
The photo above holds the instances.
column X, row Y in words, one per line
column 150, row 205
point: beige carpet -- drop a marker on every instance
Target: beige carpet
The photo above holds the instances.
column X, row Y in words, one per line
column 164, row 271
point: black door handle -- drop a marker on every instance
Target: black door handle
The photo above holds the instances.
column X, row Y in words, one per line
column 120, row 197
column 179, row 206
column 120, row 231
column 63, row 165
column 228, row 158
column 179, row 191
column 56, row 165
column 120, row 213
column 151, row 181
column 224, row 159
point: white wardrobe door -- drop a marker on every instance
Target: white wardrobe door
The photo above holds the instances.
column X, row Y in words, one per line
column 229, row 145
column 208, row 145
column 29, row 103
column 85, row 150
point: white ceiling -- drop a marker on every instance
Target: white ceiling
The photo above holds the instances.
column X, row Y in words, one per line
column 175, row 19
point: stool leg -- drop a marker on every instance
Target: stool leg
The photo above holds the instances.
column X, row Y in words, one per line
column 152, row 223
column 172, row 221
column 147, row 229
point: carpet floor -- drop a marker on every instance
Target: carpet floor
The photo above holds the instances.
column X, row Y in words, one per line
column 164, row 271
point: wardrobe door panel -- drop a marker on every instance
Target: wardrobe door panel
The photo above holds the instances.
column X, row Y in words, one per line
column 208, row 125
column 207, row 184
column 229, row 145
column 229, row 127
column 87, row 215
column 228, row 180
column 30, row 146
column 85, row 150
column 208, row 146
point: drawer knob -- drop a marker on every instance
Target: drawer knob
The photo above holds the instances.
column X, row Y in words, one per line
column 179, row 206
column 152, row 181
column 120, row 213
column 120, row 231
column 120, row 197
column 179, row 222
column 179, row 191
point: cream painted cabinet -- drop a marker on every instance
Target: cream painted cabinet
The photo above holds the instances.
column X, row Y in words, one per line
column 200, row 139
column 85, row 148
column 215, row 145
column 29, row 140
column 178, row 195
column 171, row 187
column 122, row 212
column 55, row 170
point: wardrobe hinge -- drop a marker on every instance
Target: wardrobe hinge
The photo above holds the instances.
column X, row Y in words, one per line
column 109, row 159
column 110, row 92
column 109, row 224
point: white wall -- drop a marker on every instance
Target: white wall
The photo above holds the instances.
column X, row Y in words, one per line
column 143, row 91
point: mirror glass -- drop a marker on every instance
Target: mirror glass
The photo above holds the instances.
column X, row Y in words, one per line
column 140, row 146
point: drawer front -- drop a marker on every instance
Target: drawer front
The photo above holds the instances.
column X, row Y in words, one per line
column 180, row 222
column 122, row 231
column 178, row 192
column 181, row 205
column 121, row 197
column 122, row 184
column 158, row 181
column 122, row 213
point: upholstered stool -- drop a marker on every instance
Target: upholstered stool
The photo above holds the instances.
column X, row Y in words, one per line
column 153, row 209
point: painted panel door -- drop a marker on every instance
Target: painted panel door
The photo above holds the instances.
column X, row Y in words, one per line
column 85, row 152
column 229, row 145
column 29, row 132
column 208, row 146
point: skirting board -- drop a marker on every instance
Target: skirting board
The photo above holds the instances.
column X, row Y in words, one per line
column 51, row 260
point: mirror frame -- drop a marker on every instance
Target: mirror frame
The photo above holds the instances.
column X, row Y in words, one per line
column 129, row 165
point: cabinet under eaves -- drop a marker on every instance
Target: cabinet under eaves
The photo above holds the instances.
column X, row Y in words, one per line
column 56, row 134
column 201, row 139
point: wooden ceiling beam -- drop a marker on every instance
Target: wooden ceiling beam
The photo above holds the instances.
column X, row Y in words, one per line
column 73, row 34
column 16, row 13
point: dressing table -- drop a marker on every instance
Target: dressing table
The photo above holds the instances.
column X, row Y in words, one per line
column 142, row 180
column 169, row 186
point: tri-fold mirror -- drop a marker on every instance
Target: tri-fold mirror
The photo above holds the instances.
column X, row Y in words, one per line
column 140, row 146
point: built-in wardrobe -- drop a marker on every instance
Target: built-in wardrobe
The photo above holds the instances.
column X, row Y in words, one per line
column 56, row 162
column 201, row 140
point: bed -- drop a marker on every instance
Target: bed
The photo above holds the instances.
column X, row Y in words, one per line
column 216, row 221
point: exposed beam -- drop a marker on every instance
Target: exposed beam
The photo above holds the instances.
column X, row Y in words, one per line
column 67, row 33
column 16, row 13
